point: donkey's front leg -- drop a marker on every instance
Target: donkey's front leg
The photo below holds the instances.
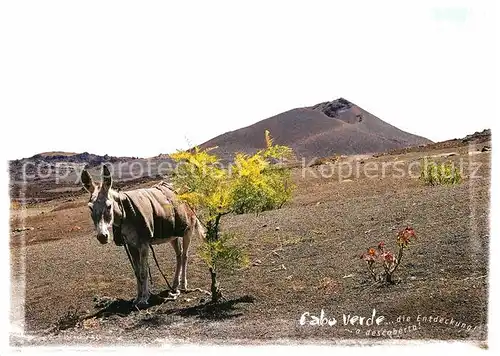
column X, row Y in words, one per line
column 140, row 257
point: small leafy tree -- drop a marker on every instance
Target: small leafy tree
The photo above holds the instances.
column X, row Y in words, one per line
column 251, row 185
column 380, row 256
column 433, row 173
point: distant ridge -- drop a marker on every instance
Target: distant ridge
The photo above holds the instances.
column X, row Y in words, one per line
column 324, row 129
column 57, row 156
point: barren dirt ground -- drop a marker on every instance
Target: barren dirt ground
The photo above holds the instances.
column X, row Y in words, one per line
column 304, row 257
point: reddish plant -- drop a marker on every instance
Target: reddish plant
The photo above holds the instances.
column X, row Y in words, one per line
column 385, row 258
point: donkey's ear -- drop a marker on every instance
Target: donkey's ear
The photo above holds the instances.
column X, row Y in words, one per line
column 106, row 177
column 87, row 182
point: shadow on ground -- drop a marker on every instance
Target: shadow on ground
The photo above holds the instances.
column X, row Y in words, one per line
column 121, row 307
column 211, row 311
column 108, row 307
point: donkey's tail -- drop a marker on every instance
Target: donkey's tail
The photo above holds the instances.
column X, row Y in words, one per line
column 200, row 229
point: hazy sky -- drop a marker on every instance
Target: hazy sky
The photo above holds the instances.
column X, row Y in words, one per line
column 142, row 78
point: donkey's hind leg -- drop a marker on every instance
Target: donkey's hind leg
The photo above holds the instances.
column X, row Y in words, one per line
column 176, row 244
column 186, row 241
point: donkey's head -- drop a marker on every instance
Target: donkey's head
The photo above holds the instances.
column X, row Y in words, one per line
column 100, row 203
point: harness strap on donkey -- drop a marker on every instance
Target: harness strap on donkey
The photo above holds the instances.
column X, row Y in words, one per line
column 119, row 240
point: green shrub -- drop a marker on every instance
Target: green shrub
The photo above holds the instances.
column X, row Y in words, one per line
column 223, row 254
column 433, row 173
column 254, row 183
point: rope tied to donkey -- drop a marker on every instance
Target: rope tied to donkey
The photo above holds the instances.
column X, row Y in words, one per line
column 159, row 269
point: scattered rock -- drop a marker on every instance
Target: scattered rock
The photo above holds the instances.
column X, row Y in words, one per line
column 90, row 323
column 473, row 153
column 486, row 149
column 257, row 263
column 448, row 154
column 277, row 228
column 21, row 229
column 103, row 302
column 265, row 225
column 282, row 267
column 348, row 276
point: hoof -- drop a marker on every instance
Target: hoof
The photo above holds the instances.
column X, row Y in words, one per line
column 141, row 303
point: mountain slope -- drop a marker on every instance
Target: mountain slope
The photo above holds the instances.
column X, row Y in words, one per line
column 325, row 129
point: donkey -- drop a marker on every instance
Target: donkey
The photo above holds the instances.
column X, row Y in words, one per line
column 140, row 218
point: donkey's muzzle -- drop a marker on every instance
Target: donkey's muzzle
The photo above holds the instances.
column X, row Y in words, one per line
column 103, row 239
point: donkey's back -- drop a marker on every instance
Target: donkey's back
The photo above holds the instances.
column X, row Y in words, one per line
column 157, row 213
